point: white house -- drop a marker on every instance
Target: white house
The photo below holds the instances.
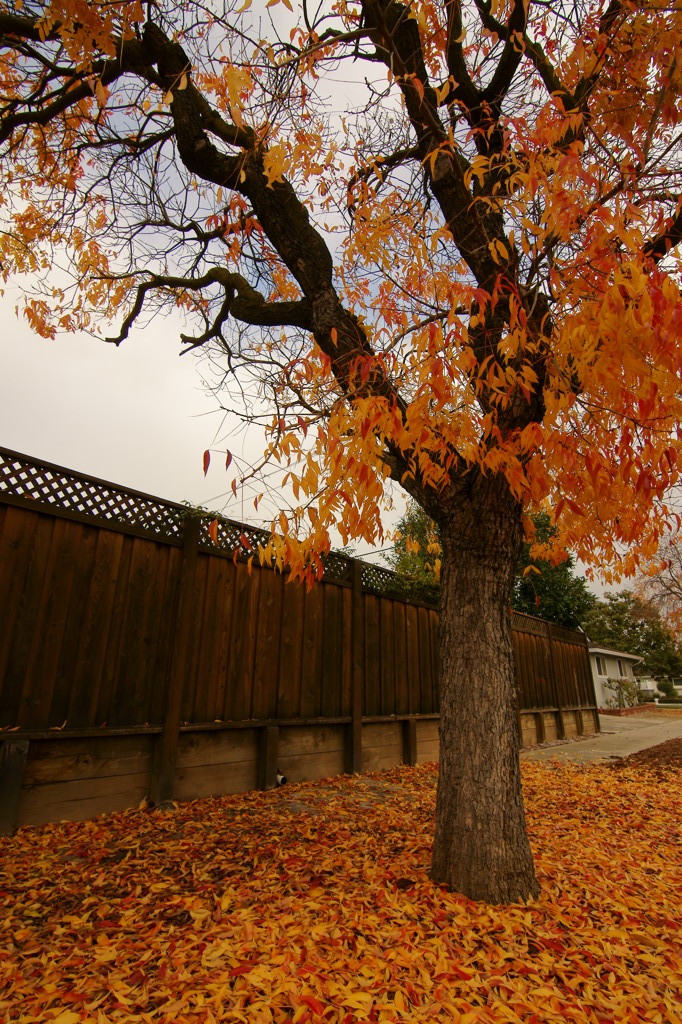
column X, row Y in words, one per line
column 608, row 664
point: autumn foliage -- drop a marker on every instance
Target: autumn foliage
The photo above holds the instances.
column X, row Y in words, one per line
column 434, row 244
column 562, row 151
column 312, row 904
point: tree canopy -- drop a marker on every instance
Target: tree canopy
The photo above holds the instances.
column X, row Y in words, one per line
column 628, row 623
column 434, row 243
column 550, row 588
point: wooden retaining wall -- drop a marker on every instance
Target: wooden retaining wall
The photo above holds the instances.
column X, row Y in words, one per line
column 137, row 658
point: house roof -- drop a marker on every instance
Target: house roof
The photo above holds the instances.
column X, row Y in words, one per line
column 619, row 654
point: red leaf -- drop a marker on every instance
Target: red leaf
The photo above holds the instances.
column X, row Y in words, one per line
column 242, row 969
column 315, row 1005
column 207, row 461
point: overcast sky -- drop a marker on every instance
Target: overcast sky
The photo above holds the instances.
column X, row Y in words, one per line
column 137, row 415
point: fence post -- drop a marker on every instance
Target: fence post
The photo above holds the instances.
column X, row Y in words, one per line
column 166, row 747
column 268, row 748
column 12, row 760
column 409, row 727
column 354, row 731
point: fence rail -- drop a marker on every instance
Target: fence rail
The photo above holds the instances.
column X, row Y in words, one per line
column 121, row 617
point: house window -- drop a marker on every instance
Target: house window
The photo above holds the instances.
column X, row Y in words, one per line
column 601, row 666
column 622, row 669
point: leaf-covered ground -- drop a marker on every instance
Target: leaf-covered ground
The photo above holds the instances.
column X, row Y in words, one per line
column 312, row 903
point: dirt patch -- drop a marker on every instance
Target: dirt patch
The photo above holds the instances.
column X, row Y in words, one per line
column 664, row 755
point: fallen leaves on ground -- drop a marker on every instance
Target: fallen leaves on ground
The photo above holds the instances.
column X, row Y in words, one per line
column 665, row 755
column 312, row 903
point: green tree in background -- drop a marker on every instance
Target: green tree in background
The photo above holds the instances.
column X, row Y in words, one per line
column 542, row 588
column 549, row 590
column 416, row 554
column 627, row 623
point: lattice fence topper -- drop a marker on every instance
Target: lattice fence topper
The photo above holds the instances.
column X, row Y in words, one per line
column 231, row 536
column 523, row 623
column 55, row 486
column 387, row 583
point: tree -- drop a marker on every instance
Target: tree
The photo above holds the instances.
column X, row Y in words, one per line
column 660, row 583
column 416, row 553
column 547, row 587
column 465, row 284
column 626, row 623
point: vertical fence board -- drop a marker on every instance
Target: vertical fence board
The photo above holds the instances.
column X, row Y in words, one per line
column 387, row 647
column 268, row 627
column 347, row 653
column 242, row 645
column 92, row 651
column 353, row 742
column 425, row 678
column 82, row 548
column 19, row 563
column 291, row 654
column 137, row 626
column 311, row 667
column 434, row 645
column 412, row 643
column 50, row 617
column 111, row 668
column 166, row 747
column 402, row 704
column 223, row 572
column 332, row 651
column 372, row 705
column 200, row 682
column 165, row 633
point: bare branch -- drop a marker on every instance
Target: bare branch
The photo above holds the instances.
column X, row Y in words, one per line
column 242, row 301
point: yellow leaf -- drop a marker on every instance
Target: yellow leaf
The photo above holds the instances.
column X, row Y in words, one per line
column 101, row 93
column 275, row 162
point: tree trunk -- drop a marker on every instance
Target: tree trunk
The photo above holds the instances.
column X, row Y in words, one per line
column 480, row 848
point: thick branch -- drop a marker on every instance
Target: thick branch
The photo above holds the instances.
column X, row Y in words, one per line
column 23, row 28
column 512, row 53
column 242, row 301
column 464, row 89
column 443, row 165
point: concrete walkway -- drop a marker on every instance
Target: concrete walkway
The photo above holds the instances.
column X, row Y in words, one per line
column 618, row 738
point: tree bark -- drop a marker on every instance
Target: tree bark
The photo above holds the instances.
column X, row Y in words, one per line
column 481, row 848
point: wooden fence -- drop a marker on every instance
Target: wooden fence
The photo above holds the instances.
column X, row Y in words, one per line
column 139, row 658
